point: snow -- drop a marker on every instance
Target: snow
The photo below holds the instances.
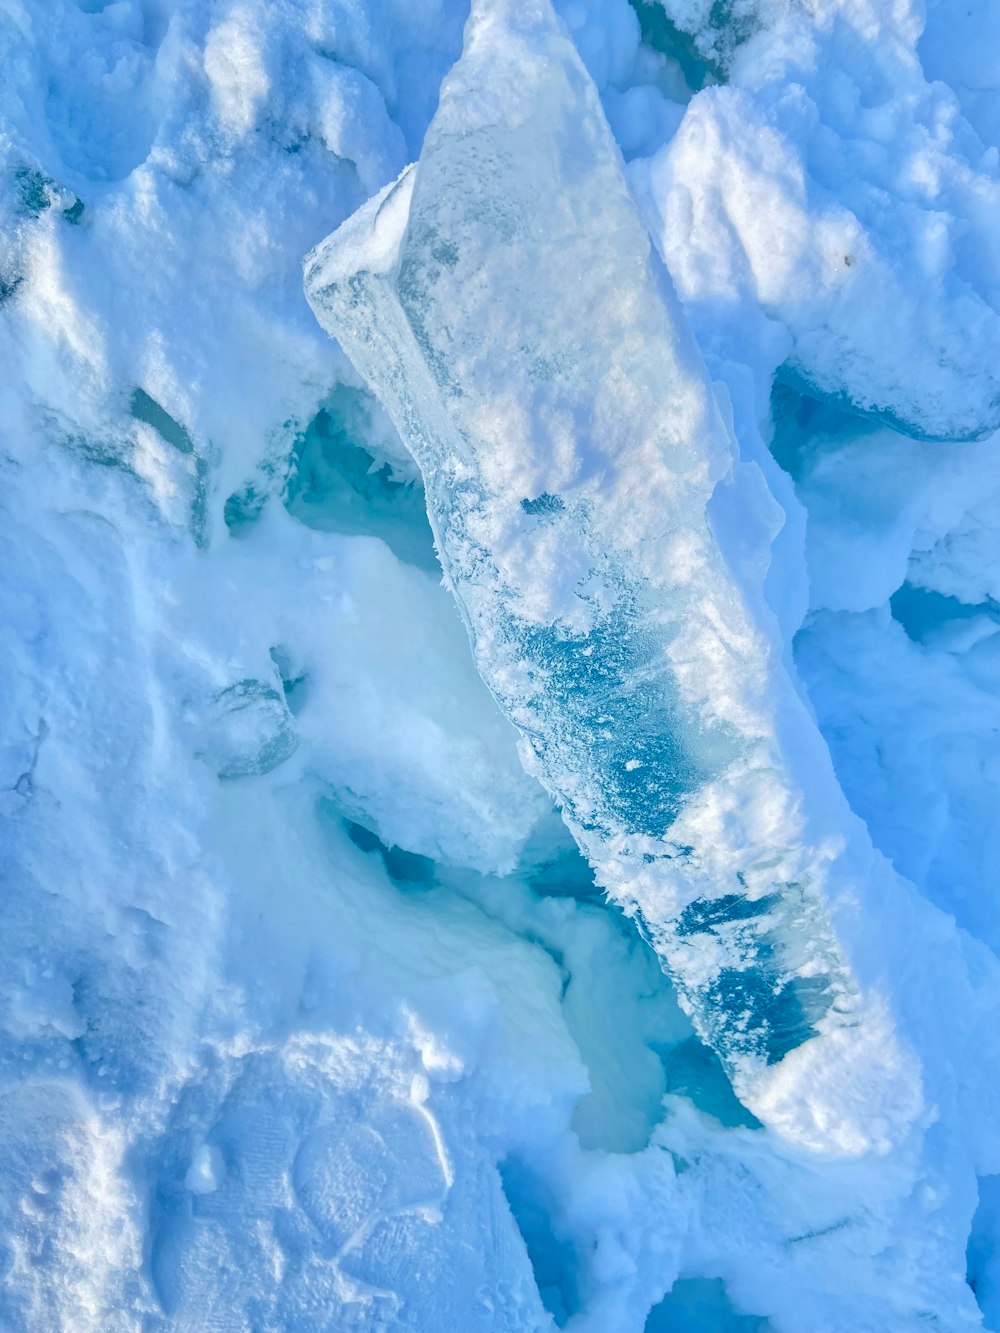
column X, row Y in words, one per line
column 315, row 1013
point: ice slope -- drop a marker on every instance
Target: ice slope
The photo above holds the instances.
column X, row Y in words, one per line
column 311, row 1016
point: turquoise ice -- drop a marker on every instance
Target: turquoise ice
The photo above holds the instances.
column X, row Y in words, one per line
column 503, row 302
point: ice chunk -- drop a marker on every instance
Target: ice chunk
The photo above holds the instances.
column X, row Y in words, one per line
column 503, row 302
column 784, row 195
column 246, row 729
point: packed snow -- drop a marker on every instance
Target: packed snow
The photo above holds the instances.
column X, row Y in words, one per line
column 500, row 681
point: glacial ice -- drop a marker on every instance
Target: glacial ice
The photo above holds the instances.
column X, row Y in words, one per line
column 570, row 441
column 313, row 1014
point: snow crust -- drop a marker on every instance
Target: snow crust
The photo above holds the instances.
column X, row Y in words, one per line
column 313, row 1014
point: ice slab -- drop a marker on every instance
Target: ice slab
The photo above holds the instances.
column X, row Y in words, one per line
column 503, row 302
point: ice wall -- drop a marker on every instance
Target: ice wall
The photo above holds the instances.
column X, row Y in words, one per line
column 503, row 301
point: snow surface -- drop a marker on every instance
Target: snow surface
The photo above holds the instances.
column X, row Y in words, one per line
column 314, row 1014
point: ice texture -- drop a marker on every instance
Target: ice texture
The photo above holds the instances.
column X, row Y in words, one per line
column 313, row 1016
column 503, row 301
column 830, row 183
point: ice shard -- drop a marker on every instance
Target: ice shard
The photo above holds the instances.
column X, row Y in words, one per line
column 503, row 302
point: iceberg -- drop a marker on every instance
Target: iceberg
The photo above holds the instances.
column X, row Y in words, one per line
column 503, row 301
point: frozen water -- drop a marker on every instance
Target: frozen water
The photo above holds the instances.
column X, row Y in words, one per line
column 313, row 1014
column 700, row 1305
column 570, row 443
column 782, row 185
column 338, row 484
